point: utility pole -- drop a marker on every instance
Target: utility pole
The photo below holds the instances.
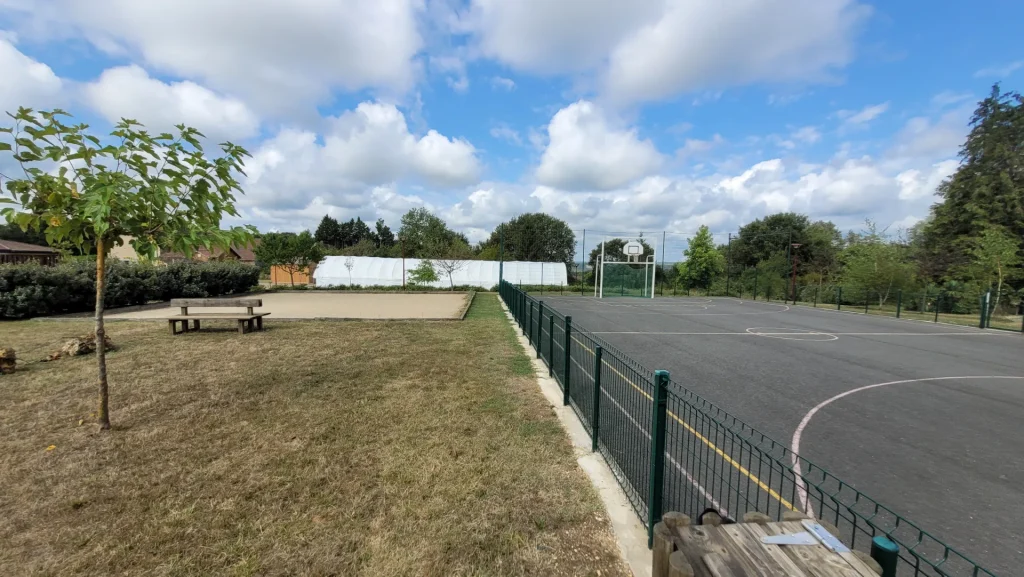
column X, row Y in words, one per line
column 789, row 250
column 401, row 242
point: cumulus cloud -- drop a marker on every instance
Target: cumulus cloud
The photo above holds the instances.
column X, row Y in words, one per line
column 26, row 82
column 501, row 83
column 589, row 150
column 652, row 49
column 363, row 149
column 129, row 92
column 279, row 56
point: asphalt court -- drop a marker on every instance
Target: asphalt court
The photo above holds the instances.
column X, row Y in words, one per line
column 927, row 419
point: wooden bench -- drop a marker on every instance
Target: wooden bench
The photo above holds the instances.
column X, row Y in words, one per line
column 247, row 321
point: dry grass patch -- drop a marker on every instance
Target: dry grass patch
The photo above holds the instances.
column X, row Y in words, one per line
column 314, row 448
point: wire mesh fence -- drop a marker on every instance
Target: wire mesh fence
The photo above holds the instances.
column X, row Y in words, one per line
column 708, row 458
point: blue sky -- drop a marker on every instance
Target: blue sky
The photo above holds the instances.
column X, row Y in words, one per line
column 615, row 115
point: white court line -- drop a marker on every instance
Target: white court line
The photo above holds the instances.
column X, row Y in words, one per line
column 798, row 434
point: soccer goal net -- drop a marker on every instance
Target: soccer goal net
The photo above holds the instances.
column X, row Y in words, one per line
column 627, row 274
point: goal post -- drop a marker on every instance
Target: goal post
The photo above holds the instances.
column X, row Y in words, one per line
column 626, row 274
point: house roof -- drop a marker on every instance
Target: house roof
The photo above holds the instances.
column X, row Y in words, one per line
column 243, row 254
column 22, row 247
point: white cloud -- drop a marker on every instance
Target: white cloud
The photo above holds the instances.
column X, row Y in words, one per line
column 279, row 56
column 26, row 82
column 915, row 184
column 502, row 83
column 366, row 148
column 1000, row 71
column 506, row 133
column 587, row 150
column 695, row 146
column 652, row 49
column 701, row 44
column 949, row 98
column 863, row 116
column 129, row 92
column 807, row 134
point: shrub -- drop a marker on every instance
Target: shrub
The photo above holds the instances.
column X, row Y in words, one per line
column 31, row 290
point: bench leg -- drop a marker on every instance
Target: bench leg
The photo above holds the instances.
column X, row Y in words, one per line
column 195, row 325
column 241, row 327
column 170, row 325
column 259, row 323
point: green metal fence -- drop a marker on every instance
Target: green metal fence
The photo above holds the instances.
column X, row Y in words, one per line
column 672, row 450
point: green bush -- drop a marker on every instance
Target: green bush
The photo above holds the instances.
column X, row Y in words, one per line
column 31, row 290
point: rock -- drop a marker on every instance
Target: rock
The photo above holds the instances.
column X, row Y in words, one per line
column 82, row 345
column 8, row 360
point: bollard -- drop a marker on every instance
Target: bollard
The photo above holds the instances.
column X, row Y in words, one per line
column 656, row 488
column 595, row 419
column 886, row 553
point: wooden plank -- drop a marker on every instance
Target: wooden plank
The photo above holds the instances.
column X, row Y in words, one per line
column 815, row 560
column 216, row 302
column 694, row 543
column 232, row 316
column 752, row 534
column 747, row 554
column 679, row 565
column 717, row 566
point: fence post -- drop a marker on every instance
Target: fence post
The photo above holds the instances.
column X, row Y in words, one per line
column 886, row 553
column 867, row 300
column 595, row 419
column 938, row 300
column 529, row 329
column 755, row 282
column 656, row 489
column 839, row 299
column 551, row 344
column 540, row 327
column 817, row 289
column 565, row 368
column 899, row 302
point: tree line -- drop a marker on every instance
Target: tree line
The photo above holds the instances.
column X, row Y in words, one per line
column 969, row 245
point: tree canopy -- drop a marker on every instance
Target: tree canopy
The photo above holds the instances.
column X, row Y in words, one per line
column 535, row 237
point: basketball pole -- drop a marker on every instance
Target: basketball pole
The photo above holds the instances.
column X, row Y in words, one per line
column 604, row 242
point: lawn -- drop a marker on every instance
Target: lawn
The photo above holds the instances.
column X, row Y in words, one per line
column 314, row 448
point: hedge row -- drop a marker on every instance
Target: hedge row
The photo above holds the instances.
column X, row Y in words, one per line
column 31, row 290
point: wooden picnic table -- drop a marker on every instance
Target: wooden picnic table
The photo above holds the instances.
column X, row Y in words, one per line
column 714, row 549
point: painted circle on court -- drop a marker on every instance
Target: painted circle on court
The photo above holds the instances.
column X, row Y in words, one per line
column 792, row 334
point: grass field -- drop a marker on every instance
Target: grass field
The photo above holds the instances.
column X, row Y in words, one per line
column 315, row 448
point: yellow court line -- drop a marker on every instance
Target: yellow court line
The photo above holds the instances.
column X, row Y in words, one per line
column 743, row 470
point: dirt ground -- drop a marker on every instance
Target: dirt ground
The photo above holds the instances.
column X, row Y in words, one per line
column 324, row 305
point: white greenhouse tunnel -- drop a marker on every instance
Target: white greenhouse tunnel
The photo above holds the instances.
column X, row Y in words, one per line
column 374, row 271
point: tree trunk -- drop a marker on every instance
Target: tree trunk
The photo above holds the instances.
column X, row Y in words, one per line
column 999, row 290
column 451, row 283
column 101, row 349
column 291, row 275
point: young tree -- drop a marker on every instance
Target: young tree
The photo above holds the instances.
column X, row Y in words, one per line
column 424, row 273
column 703, row 261
column 292, row 252
column 160, row 190
column 454, row 259
column 349, row 264
column 876, row 265
column 996, row 256
column 425, row 235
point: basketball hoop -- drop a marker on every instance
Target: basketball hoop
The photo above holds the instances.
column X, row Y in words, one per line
column 633, row 251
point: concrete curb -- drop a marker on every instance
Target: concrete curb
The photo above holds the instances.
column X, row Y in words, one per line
column 629, row 532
